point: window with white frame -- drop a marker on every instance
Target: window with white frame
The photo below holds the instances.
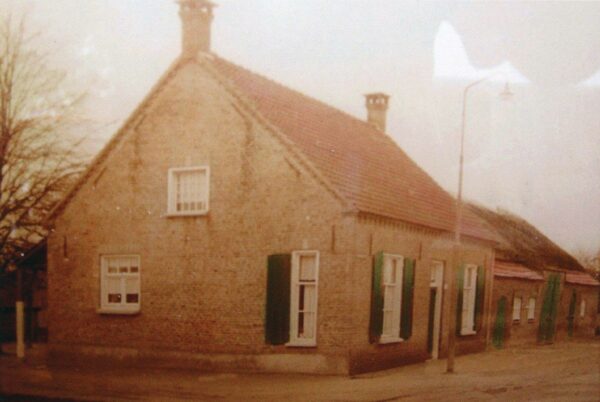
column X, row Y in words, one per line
column 304, row 292
column 516, row 315
column 582, row 308
column 120, row 283
column 531, row 309
column 188, row 190
column 468, row 304
column 392, row 297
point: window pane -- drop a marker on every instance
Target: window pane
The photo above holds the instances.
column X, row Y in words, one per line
column 531, row 309
column 132, row 285
column 310, row 293
column 112, row 270
column 306, row 325
column 308, row 267
column 387, row 323
column 301, row 301
column 114, row 298
column 132, row 298
column 388, row 298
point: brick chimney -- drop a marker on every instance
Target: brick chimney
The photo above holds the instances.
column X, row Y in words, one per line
column 196, row 17
column 377, row 106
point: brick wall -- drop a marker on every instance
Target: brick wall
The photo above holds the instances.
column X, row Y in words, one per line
column 374, row 235
column 523, row 331
column 582, row 326
column 202, row 278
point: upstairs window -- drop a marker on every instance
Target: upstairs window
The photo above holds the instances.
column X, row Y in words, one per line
column 120, row 284
column 188, row 191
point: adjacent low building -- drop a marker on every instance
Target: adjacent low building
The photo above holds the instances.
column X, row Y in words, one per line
column 540, row 292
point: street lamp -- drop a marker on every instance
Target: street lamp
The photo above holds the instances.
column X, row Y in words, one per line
column 505, row 95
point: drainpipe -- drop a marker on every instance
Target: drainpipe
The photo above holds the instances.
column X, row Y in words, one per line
column 20, row 319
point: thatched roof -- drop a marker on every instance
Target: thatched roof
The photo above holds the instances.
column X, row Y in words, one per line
column 525, row 244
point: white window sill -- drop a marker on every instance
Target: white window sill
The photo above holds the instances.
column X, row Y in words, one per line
column 184, row 214
column 302, row 343
column 467, row 332
column 390, row 339
column 116, row 310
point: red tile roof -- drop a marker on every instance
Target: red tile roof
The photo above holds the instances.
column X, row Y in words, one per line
column 363, row 164
column 506, row 269
column 581, row 278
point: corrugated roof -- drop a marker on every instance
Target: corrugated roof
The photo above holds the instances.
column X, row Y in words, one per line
column 361, row 162
column 581, row 278
column 505, row 269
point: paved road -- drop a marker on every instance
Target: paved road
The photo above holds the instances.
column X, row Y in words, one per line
column 562, row 372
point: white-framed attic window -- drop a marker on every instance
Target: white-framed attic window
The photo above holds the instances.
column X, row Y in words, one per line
column 188, row 191
column 120, row 284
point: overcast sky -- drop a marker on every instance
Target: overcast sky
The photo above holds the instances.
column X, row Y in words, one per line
column 537, row 155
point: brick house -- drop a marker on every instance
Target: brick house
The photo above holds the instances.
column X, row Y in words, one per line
column 540, row 292
column 234, row 223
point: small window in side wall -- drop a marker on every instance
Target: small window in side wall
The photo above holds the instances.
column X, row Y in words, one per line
column 120, row 284
column 188, row 191
column 516, row 310
column 531, row 309
column 582, row 308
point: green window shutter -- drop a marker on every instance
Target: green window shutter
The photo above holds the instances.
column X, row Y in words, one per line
column 376, row 322
column 408, row 286
column 460, row 279
column 479, row 297
column 277, row 319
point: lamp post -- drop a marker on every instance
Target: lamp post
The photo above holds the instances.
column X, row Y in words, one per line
column 457, row 249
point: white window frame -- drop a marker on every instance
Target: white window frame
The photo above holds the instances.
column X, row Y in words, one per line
column 295, row 339
column 172, row 191
column 531, row 309
column 468, row 304
column 582, row 307
column 517, row 306
column 123, row 307
column 392, row 298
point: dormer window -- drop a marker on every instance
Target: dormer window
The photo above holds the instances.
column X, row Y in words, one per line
column 188, row 191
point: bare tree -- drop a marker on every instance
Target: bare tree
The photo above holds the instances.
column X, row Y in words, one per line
column 39, row 156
